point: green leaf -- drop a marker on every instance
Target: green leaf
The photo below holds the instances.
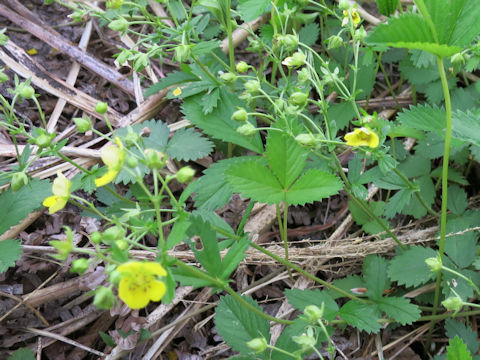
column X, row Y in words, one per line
column 314, row 185
column 387, row 7
column 22, row 354
column 233, row 257
column 10, row 251
column 424, row 117
column 397, row 202
column 173, row 78
column 466, row 333
column 237, row 325
column 457, row 350
column 457, row 199
column 409, row 268
column 427, row 192
column 107, row 339
column 205, row 47
column 254, row 180
column 187, row 144
column 209, row 255
column 347, row 283
column 309, row 34
column 251, row 9
column 300, row 299
column 375, row 276
column 178, row 232
column 285, row 157
column 16, row 205
column 285, row 341
column 462, row 248
column 362, row 316
column 210, row 100
column 400, row 309
column 218, row 123
column 466, row 127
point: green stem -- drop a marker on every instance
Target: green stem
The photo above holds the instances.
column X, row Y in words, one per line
column 231, row 50
column 90, row 207
column 206, row 71
column 118, row 196
column 79, row 167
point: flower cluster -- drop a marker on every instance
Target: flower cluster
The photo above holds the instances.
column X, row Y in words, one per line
column 139, row 283
column 362, row 137
column 113, row 156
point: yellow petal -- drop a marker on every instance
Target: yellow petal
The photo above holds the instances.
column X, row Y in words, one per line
column 362, row 137
column 111, row 155
column 177, row 92
column 129, row 267
column 50, row 201
column 55, row 203
column 154, row 268
column 61, row 185
column 157, row 290
column 109, row 176
column 131, row 294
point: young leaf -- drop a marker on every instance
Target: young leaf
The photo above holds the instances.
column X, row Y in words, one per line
column 314, row 185
column 466, row 333
column 285, row 157
column 399, row 309
column 300, row 299
column 457, row 350
column 237, row 325
column 409, row 268
column 187, row 144
column 16, row 205
column 375, row 276
column 387, row 7
column 362, row 316
column 10, row 251
column 218, row 123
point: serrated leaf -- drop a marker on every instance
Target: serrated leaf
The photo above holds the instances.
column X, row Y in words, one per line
column 209, row 255
column 424, row 117
column 218, row 123
column 397, row 202
column 457, row 350
column 375, row 275
column 22, row 354
column 205, row 47
column 347, row 283
column 16, row 205
column 10, row 251
column 173, row 78
column 210, row 100
column 314, row 185
column 457, row 199
column 466, row 333
column 309, row 34
column 285, row 341
column 187, row 144
column 237, row 325
column 387, row 7
column 362, row 316
column 251, row 9
column 466, row 126
column 285, row 157
column 415, row 75
column 400, row 309
column 300, row 299
column 462, row 248
column 452, row 282
column 409, row 268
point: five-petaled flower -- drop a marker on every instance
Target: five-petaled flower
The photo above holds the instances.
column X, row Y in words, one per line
column 362, row 137
column 61, row 192
column 354, row 15
column 139, row 283
column 113, row 157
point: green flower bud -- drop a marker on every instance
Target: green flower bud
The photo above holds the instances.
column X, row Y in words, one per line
column 120, row 25
column 304, row 75
column 313, row 313
column 453, row 303
column 182, row 53
column 19, row 180
column 434, row 263
column 297, row 59
column 242, row 67
column 307, row 140
column 457, row 58
column 131, row 162
column 334, row 42
column 3, row 37
column 306, row 340
column 3, row 77
column 155, row 159
column 113, row 233
column 26, row 91
column 104, row 298
column 96, row 237
column 79, row 266
column 258, row 345
column 101, row 107
column 83, row 124
column 360, row 34
column 344, row 5
column 289, row 41
column 43, row 141
column 185, row 174
column 240, row 115
column 247, row 129
column 121, row 244
column 292, row 110
column 255, row 45
column 114, row 4
column 228, row 77
column 252, row 86
column 132, row 137
column 298, row 98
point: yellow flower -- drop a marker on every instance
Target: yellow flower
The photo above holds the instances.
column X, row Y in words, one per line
column 355, row 17
column 362, row 137
column 61, row 192
column 113, row 157
column 139, row 284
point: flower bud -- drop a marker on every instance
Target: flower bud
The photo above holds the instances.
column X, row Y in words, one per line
column 101, row 107
column 252, row 86
column 114, row 4
column 83, row 124
column 240, row 115
column 120, row 25
column 43, row 141
column 182, row 53
column 289, row 41
column 104, row 298
column 115, row 277
column 306, row 341
column 185, row 174
column 453, row 303
column 306, row 140
column 255, row 45
column 131, row 162
column 313, row 313
column 19, row 179
column 434, row 263
column 344, row 5
column 303, row 75
column 155, row 159
column 334, row 42
column 228, row 77
column 113, row 233
column 121, row 244
column 79, row 266
column 298, row 98
column 247, row 129
column 26, row 91
column 96, row 237
column 360, row 34
column 242, row 67
column 297, row 59
column 457, row 58
column 258, row 345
